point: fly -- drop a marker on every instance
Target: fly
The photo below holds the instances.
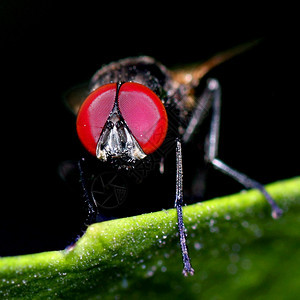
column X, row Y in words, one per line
column 131, row 108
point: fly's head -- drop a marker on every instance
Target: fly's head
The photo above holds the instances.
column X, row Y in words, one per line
column 122, row 123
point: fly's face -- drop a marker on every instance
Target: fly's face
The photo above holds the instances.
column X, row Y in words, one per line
column 123, row 121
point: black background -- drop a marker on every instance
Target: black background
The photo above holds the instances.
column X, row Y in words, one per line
column 48, row 47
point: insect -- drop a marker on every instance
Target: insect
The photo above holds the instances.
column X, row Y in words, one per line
column 132, row 108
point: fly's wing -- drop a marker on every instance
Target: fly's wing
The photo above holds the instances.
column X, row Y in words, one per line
column 75, row 97
column 191, row 74
column 193, row 108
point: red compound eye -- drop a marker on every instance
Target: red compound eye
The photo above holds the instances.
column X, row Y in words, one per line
column 144, row 114
column 93, row 115
column 141, row 109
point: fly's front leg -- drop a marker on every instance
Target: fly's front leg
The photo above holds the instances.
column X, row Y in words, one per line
column 89, row 202
column 211, row 149
column 187, row 268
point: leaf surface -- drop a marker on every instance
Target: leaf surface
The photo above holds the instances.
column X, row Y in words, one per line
column 237, row 250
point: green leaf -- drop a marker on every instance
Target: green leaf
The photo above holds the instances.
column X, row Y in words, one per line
column 237, row 250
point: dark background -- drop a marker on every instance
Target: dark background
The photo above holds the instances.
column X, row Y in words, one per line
column 47, row 48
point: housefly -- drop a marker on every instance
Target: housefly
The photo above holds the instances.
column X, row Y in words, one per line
column 135, row 109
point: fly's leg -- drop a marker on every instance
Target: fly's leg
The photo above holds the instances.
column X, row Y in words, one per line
column 89, row 202
column 211, row 149
column 187, row 268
